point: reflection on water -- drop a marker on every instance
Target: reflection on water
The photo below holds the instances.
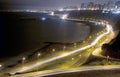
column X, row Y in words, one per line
column 57, row 31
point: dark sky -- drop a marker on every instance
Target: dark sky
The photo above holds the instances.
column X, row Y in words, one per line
column 45, row 3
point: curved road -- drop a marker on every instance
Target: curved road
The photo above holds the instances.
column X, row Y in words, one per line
column 108, row 31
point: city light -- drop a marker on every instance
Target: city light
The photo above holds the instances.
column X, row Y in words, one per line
column 23, row 58
column 78, row 8
column 23, row 61
column 38, row 54
column 73, row 58
column 53, row 50
column 52, row 13
column 105, row 11
column 43, row 18
column 61, row 9
column 64, row 47
column 116, row 12
column 80, row 55
column 64, row 16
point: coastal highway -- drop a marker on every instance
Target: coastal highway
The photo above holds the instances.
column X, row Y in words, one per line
column 70, row 55
column 65, row 60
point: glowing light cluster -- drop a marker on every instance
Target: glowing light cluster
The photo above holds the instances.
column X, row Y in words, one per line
column 116, row 12
column 52, row 13
column 61, row 9
column 64, row 16
column 43, row 18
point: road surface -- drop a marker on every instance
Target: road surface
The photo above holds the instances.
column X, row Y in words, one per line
column 66, row 57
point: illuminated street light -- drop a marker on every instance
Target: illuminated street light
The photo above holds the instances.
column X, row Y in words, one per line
column 38, row 55
column 0, row 65
column 83, row 41
column 78, row 8
column 53, row 50
column 102, row 23
column 23, row 60
column 43, row 18
column 64, row 47
column 90, row 37
column 80, row 55
column 73, row 58
column 64, row 16
column 75, row 44
column 107, row 58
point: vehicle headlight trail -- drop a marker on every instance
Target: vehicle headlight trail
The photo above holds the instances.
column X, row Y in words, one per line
column 108, row 28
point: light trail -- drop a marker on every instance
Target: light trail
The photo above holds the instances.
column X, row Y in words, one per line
column 67, row 71
column 67, row 54
column 99, row 37
column 93, row 68
column 97, row 52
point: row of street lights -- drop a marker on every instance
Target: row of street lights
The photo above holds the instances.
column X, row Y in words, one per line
column 24, row 58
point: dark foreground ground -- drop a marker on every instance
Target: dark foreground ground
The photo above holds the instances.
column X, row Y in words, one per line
column 100, row 73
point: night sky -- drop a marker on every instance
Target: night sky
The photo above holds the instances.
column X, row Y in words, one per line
column 31, row 4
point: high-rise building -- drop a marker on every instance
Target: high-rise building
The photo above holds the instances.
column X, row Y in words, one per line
column 98, row 7
column 82, row 6
column 90, row 6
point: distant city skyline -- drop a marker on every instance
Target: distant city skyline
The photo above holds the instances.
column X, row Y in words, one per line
column 45, row 4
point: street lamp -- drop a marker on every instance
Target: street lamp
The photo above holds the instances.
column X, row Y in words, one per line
column 107, row 58
column 43, row 18
column 38, row 55
column 53, row 50
column 64, row 47
column 75, row 44
column 83, row 41
column 23, row 60
column 90, row 37
column 73, row 58
column 80, row 55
